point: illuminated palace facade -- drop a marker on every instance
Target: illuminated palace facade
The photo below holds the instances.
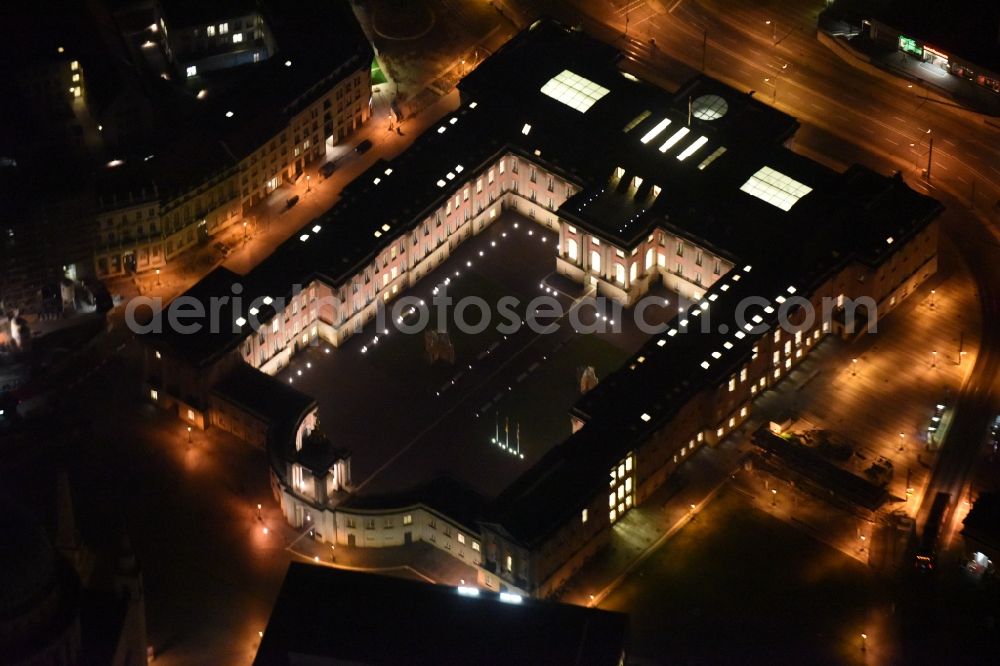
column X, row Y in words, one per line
column 694, row 189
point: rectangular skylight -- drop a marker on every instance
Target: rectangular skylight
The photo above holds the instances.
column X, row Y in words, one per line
column 635, row 121
column 573, row 90
column 677, row 136
column 655, row 132
column 775, row 188
column 693, row 148
column 711, row 158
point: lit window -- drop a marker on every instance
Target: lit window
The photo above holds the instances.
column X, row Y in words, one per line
column 74, row 65
column 509, row 563
column 408, row 519
column 210, row 31
column 461, row 538
column 583, row 514
column 237, row 37
column 76, row 77
column 190, row 415
column 154, row 394
column 775, row 188
column 192, row 70
column 223, row 28
column 574, row 90
column 159, row 355
column 475, row 546
column 524, row 130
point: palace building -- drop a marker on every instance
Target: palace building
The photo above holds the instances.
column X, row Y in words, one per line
column 694, row 190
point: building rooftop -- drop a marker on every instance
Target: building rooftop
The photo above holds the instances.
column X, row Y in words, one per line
column 983, row 521
column 785, row 221
column 966, row 28
column 275, row 402
column 316, row 41
column 328, row 615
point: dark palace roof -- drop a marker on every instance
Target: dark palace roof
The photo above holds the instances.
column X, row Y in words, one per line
column 326, row 615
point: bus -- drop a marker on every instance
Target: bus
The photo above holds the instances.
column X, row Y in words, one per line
column 927, row 550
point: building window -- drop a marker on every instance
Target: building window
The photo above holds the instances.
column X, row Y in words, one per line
column 223, row 28
column 192, row 70
column 460, row 537
column 154, row 394
column 475, row 546
column 509, row 564
column 190, row 415
column 237, row 37
column 408, row 519
column 583, row 516
column 351, row 524
column 370, row 524
column 432, row 524
column 210, row 31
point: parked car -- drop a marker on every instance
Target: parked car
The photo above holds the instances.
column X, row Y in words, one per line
column 363, row 147
column 328, row 169
column 291, row 201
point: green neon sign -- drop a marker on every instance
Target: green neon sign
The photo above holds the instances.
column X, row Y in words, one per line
column 911, row 46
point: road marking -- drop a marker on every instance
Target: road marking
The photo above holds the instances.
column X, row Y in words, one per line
column 867, row 129
column 675, row 6
column 891, row 141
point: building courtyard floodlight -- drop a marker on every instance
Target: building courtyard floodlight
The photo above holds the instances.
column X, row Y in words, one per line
column 493, row 183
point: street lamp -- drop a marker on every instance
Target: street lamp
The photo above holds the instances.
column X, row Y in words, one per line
column 258, row 511
column 933, row 291
column 157, row 277
column 774, row 29
column 934, row 359
column 189, row 434
column 854, row 367
column 774, row 496
column 244, row 231
column 902, row 438
column 308, row 184
column 864, row 642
